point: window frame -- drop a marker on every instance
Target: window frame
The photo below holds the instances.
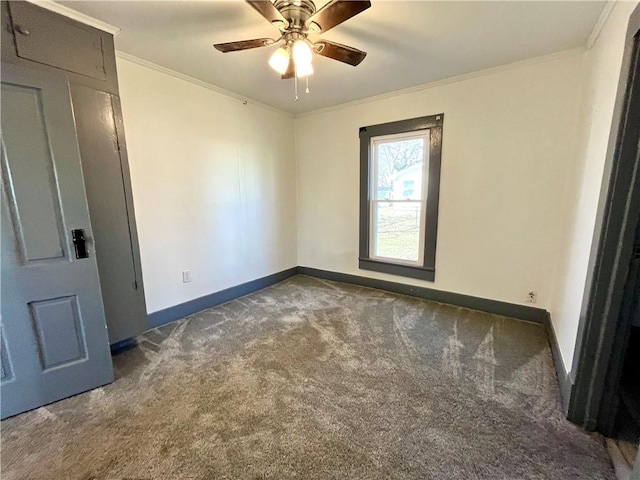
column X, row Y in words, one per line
column 429, row 198
column 373, row 197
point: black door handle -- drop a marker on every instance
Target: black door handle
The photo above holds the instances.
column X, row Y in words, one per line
column 79, row 243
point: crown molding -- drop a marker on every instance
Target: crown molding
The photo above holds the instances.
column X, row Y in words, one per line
column 602, row 19
column 75, row 15
column 201, row 83
column 459, row 78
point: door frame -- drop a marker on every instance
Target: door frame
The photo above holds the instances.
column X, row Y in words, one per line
column 617, row 216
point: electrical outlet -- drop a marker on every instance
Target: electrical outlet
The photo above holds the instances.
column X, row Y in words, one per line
column 532, row 296
column 186, row 276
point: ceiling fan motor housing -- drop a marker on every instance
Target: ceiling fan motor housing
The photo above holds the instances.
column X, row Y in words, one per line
column 296, row 12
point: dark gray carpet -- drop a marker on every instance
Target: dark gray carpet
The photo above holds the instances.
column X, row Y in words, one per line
column 312, row 379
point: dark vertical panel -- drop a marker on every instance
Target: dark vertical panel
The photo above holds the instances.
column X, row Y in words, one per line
column 109, row 210
column 126, row 181
column 365, row 218
column 433, row 195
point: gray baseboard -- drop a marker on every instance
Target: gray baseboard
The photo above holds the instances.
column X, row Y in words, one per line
column 522, row 312
column 177, row 312
column 564, row 378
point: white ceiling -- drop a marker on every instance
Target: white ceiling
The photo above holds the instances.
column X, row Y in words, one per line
column 408, row 43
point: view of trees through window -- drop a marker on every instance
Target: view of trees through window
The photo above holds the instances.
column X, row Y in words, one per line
column 397, row 206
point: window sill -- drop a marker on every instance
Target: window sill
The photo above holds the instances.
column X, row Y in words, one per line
column 422, row 273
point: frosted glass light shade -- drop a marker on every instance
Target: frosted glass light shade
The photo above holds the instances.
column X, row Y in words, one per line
column 304, row 69
column 279, row 61
column 301, row 52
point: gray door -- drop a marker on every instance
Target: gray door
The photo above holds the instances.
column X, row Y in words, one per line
column 53, row 332
column 112, row 215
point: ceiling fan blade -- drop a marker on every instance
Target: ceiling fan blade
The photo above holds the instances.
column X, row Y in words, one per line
column 243, row 45
column 342, row 53
column 337, row 11
column 291, row 70
column 268, row 11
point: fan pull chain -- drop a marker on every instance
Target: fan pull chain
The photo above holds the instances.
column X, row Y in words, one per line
column 307, row 90
column 296, row 86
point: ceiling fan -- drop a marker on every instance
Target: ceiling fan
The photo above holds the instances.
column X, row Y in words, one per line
column 296, row 20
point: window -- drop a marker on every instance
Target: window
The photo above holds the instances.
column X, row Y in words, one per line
column 399, row 190
column 408, row 186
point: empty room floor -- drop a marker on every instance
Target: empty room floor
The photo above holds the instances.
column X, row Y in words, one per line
column 316, row 379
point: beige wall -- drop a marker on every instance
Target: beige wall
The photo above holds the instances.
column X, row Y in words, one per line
column 508, row 149
column 214, row 185
column 601, row 77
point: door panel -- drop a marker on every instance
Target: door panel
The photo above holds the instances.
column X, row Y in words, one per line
column 58, row 331
column 48, row 38
column 53, row 332
column 110, row 212
column 33, row 200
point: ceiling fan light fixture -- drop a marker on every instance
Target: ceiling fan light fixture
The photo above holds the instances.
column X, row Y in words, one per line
column 279, row 61
column 304, row 69
column 302, row 54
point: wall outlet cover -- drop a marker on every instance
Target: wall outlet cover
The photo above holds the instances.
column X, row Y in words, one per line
column 186, row 276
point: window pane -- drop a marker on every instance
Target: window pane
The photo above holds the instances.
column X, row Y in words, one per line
column 399, row 169
column 397, row 230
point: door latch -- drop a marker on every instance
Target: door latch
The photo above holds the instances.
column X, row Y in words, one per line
column 79, row 243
